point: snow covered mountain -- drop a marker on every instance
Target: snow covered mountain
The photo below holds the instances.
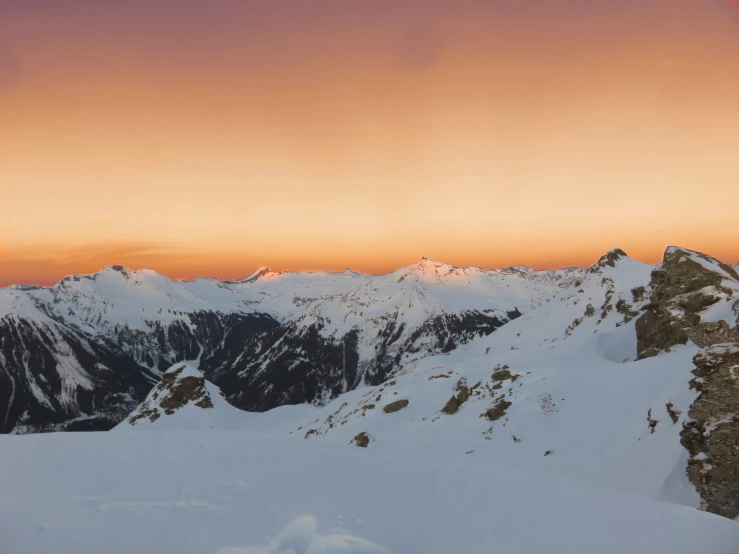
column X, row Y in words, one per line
column 610, row 404
column 268, row 340
column 624, row 380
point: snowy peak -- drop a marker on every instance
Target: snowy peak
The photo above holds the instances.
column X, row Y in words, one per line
column 182, row 388
column 261, row 274
column 429, row 268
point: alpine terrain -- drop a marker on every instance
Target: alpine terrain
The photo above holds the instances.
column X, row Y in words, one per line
column 434, row 409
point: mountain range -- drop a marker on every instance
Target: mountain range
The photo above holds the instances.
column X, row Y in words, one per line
column 621, row 375
column 84, row 353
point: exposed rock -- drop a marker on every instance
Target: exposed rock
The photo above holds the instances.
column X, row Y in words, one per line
column 395, row 406
column 455, row 402
column 625, row 308
column 174, row 391
column 652, row 422
column 442, row 376
column 573, row 325
column 502, row 373
column 462, row 383
column 362, row 440
column 498, row 410
column 463, row 396
column 683, row 287
column 609, row 259
column 711, row 433
column 451, row 407
column 637, row 293
column 672, row 412
column 678, row 297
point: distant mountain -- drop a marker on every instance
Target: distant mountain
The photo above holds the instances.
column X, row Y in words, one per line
column 83, row 353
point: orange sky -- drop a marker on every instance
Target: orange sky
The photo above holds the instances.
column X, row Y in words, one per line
column 212, row 137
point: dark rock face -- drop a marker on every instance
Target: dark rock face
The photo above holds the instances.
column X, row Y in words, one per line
column 286, row 364
column 711, row 433
column 196, row 335
column 295, row 364
column 53, row 378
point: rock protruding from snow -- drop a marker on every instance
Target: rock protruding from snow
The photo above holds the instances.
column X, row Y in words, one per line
column 180, row 385
column 711, row 433
column 183, row 399
column 395, row 406
column 362, row 440
column 692, row 298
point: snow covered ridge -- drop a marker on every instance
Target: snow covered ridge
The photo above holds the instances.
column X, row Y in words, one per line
column 269, row 340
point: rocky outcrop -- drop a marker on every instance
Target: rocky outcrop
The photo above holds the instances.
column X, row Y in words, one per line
column 711, row 433
column 682, row 287
column 180, row 385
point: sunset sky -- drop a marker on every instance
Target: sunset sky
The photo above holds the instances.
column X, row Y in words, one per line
column 210, row 137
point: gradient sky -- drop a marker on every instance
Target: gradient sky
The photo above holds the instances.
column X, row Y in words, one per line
column 210, row 137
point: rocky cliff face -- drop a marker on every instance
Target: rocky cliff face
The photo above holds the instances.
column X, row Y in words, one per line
column 54, row 378
column 694, row 298
column 711, row 433
column 683, row 288
column 297, row 363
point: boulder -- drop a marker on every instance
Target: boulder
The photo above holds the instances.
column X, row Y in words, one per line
column 395, row 406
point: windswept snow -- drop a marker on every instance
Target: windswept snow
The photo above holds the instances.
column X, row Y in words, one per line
column 243, row 493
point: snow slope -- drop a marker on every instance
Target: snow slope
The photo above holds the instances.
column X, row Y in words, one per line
column 244, row 493
column 581, row 405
